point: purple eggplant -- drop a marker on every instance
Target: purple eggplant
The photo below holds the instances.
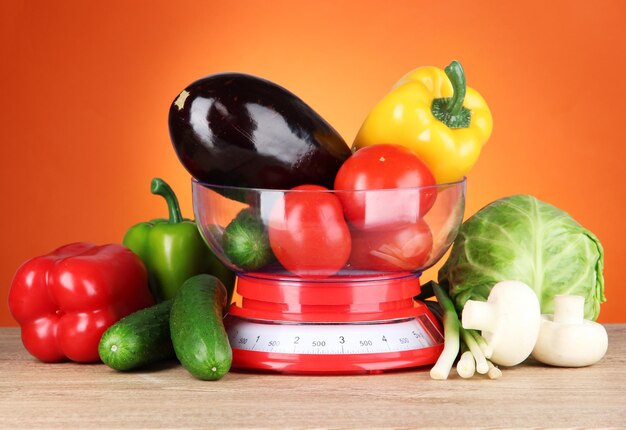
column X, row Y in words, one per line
column 239, row 130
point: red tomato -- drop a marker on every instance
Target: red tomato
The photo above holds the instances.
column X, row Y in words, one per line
column 398, row 249
column 394, row 169
column 308, row 233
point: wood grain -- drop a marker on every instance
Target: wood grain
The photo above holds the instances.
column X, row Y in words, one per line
column 68, row 395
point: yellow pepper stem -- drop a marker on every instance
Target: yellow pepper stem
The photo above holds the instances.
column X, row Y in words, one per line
column 450, row 110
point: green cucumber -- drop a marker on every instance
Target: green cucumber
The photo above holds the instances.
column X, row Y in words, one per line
column 138, row 339
column 246, row 242
column 197, row 329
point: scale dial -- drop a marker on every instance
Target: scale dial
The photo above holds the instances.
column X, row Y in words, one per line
column 344, row 338
column 333, row 348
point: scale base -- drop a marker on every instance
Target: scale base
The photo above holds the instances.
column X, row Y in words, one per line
column 335, row 349
column 329, row 365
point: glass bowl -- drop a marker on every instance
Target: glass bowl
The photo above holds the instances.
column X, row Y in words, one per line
column 317, row 234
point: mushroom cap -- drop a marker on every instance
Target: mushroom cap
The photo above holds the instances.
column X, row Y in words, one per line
column 517, row 322
column 570, row 345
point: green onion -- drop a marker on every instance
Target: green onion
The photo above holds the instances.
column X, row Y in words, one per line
column 451, row 327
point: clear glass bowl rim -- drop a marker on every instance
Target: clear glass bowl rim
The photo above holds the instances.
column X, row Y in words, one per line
column 197, row 182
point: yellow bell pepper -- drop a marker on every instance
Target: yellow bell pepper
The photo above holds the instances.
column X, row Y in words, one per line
column 433, row 113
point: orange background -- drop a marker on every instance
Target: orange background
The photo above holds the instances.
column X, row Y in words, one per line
column 86, row 86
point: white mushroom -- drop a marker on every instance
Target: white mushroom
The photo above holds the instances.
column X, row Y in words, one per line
column 566, row 339
column 509, row 321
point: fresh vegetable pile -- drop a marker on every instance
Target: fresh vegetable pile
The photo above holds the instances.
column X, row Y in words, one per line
column 372, row 220
column 163, row 293
column 514, row 260
column 89, row 303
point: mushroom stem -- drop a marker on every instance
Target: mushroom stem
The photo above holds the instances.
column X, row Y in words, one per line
column 479, row 315
column 569, row 309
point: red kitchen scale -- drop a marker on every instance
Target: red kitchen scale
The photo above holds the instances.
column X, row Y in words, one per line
column 344, row 325
column 353, row 322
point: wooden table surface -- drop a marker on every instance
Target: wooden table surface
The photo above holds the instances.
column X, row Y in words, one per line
column 67, row 395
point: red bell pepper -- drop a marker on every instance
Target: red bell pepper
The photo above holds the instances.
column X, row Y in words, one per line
column 64, row 301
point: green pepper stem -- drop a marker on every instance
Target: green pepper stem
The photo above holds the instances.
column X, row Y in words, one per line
column 455, row 73
column 159, row 187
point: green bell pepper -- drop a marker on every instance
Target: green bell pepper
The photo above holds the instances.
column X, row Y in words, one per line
column 173, row 250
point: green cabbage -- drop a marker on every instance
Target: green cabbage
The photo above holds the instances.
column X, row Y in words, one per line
column 524, row 239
